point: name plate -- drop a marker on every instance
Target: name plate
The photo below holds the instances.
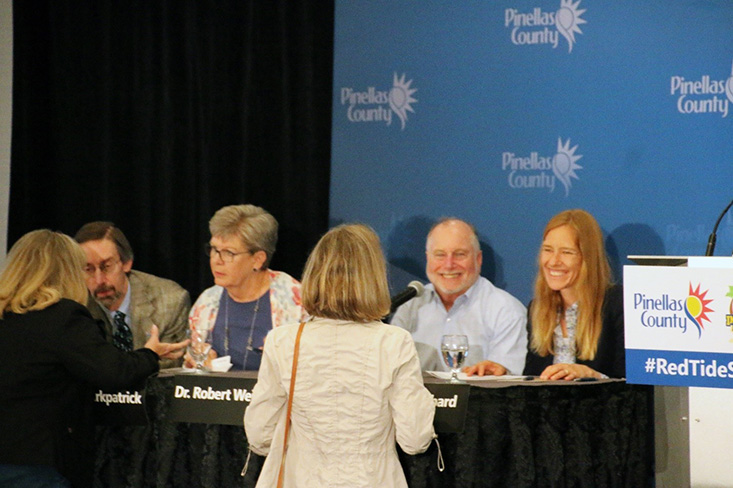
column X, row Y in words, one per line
column 211, row 399
column 451, row 405
column 207, row 399
column 120, row 407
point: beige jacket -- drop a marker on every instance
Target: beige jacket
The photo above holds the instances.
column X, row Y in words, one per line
column 358, row 389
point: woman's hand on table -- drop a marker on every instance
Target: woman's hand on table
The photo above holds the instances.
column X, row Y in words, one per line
column 564, row 371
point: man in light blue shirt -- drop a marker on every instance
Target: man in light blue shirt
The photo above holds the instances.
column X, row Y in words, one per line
column 459, row 301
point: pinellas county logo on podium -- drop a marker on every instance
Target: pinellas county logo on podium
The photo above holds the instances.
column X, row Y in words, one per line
column 678, row 325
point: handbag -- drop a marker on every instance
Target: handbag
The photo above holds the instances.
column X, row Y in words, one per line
column 290, row 405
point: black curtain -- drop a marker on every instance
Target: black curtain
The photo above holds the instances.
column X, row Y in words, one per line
column 154, row 114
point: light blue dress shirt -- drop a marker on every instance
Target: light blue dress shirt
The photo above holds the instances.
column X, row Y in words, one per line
column 494, row 321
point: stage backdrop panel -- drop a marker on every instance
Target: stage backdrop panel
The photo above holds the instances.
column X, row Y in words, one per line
column 507, row 112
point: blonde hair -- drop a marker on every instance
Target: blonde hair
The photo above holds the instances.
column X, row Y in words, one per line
column 254, row 226
column 345, row 276
column 591, row 286
column 42, row 268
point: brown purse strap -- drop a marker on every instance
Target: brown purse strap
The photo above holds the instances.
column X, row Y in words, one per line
column 290, row 404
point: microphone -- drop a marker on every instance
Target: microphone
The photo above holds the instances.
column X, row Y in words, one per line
column 414, row 289
column 713, row 236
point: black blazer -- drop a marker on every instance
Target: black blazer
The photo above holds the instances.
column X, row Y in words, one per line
column 611, row 355
column 50, row 362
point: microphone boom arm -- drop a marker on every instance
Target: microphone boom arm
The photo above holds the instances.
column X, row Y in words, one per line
column 713, row 235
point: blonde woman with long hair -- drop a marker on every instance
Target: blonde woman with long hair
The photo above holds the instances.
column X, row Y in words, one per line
column 53, row 357
column 359, row 386
column 576, row 319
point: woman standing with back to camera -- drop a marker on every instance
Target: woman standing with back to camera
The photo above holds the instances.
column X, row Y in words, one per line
column 358, row 382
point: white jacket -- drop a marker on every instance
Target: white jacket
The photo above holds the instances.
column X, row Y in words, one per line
column 358, row 388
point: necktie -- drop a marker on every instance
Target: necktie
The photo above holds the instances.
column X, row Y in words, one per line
column 122, row 337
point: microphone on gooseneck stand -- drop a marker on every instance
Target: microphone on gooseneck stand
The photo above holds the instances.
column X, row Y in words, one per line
column 713, row 235
column 414, row 289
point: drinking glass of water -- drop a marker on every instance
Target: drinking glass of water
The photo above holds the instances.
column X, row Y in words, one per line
column 454, row 349
column 199, row 347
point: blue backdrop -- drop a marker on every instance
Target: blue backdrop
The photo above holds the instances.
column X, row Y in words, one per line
column 507, row 112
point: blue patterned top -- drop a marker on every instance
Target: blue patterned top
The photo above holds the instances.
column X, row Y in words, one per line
column 565, row 346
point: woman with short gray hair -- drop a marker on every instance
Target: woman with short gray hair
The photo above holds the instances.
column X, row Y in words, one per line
column 247, row 299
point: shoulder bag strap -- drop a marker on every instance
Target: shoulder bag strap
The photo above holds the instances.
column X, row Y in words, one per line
column 290, row 404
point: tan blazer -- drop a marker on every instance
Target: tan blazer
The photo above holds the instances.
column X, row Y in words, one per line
column 156, row 301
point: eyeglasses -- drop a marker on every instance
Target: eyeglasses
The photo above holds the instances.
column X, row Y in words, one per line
column 224, row 254
column 106, row 267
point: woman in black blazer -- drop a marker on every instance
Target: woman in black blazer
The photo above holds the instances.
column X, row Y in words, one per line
column 52, row 356
column 576, row 319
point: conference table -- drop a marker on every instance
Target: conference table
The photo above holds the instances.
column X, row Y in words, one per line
column 511, row 433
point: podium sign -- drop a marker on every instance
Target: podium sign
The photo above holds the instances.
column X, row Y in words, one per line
column 679, row 326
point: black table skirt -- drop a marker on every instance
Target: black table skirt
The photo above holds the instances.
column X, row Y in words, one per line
column 583, row 435
column 592, row 436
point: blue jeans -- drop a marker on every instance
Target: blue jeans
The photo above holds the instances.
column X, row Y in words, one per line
column 27, row 476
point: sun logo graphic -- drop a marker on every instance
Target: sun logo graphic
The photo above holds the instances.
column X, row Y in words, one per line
column 539, row 27
column 563, row 164
column 696, row 308
column 729, row 86
column 567, row 20
column 400, row 98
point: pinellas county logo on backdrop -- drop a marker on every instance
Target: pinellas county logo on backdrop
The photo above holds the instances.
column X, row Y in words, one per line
column 538, row 27
column 372, row 105
column 542, row 172
column 702, row 95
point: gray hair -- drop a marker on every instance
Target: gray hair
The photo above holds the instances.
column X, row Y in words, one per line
column 254, row 226
column 447, row 220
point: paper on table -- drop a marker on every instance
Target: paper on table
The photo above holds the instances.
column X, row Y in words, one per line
column 445, row 375
column 222, row 364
